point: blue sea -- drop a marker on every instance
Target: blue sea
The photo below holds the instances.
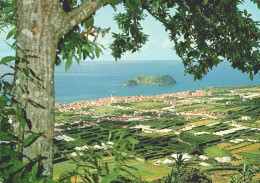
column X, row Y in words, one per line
column 99, row 79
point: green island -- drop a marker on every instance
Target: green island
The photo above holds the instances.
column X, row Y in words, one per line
column 151, row 80
column 216, row 128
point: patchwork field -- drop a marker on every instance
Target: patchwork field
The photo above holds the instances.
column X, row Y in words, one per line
column 160, row 134
column 196, row 106
column 202, row 122
column 216, row 151
column 148, row 105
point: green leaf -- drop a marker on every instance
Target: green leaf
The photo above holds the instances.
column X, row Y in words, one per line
column 7, row 86
column 5, row 165
column 7, row 10
column 11, row 33
column 206, row 2
column 110, row 134
column 98, row 51
column 156, row 5
column 115, row 2
column 3, row 101
column 110, row 177
column 68, row 63
column 34, row 171
column 132, row 140
column 7, row 59
column 251, row 76
column 17, row 167
column 28, row 141
column 22, row 121
column 89, row 22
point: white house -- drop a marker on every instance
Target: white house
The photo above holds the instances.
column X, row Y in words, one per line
column 225, row 159
column 246, row 118
column 185, row 156
column 204, row 164
column 203, row 157
column 201, row 133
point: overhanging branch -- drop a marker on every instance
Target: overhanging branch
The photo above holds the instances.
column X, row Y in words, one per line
column 81, row 13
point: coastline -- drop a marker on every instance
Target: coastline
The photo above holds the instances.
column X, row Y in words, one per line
column 95, row 80
column 131, row 99
column 143, row 98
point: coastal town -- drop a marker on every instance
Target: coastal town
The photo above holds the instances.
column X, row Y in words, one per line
column 215, row 128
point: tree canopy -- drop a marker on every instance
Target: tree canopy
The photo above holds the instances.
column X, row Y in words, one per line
column 204, row 32
column 49, row 32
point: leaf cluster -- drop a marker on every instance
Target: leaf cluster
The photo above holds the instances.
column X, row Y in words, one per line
column 245, row 175
column 206, row 32
column 91, row 167
column 75, row 46
column 12, row 168
column 131, row 38
column 7, row 13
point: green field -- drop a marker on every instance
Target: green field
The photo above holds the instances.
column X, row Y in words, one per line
column 155, row 146
column 230, row 108
column 196, row 106
column 148, row 105
column 251, row 156
column 70, row 117
column 146, row 170
column 215, row 151
column 103, row 110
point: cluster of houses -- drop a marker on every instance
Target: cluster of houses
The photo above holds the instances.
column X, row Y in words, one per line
column 104, row 146
column 225, row 159
column 148, row 129
column 64, row 137
column 202, row 112
column 186, row 98
column 187, row 157
column 113, row 99
column 236, row 141
column 250, row 95
column 230, row 131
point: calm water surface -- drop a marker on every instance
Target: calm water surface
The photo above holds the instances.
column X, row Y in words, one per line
column 96, row 79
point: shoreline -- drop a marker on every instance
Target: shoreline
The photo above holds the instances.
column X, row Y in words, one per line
column 132, row 99
column 153, row 96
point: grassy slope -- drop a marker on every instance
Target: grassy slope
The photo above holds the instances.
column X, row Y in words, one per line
column 216, row 151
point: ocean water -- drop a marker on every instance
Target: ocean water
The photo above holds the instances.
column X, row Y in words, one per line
column 99, row 79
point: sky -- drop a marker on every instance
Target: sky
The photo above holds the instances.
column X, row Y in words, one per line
column 158, row 47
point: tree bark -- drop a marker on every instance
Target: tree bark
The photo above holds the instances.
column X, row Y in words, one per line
column 40, row 25
column 36, row 41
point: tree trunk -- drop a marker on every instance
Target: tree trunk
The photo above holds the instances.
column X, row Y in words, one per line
column 40, row 25
column 37, row 40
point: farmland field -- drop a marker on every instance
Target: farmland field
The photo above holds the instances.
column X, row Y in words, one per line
column 216, row 151
column 196, row 106
column 202, row 122
column 146, row 170
column 158, row 133
column 230, row 108
column 148, row 105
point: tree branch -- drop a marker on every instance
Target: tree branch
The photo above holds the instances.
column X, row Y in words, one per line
column 81, row 13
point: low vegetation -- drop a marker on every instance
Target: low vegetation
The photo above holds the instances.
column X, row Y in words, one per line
column 147, row 136
column 151, row 80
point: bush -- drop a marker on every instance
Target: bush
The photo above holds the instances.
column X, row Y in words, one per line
column 193, row 175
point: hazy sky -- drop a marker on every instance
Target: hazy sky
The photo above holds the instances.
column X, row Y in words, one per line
column 158, row 48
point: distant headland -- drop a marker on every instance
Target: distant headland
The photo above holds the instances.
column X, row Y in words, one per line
column 151, row 80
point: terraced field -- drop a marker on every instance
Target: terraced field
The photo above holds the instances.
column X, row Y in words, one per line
column 202, row 122
column 148, row 105
column 196, row 106
column 154, row 146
